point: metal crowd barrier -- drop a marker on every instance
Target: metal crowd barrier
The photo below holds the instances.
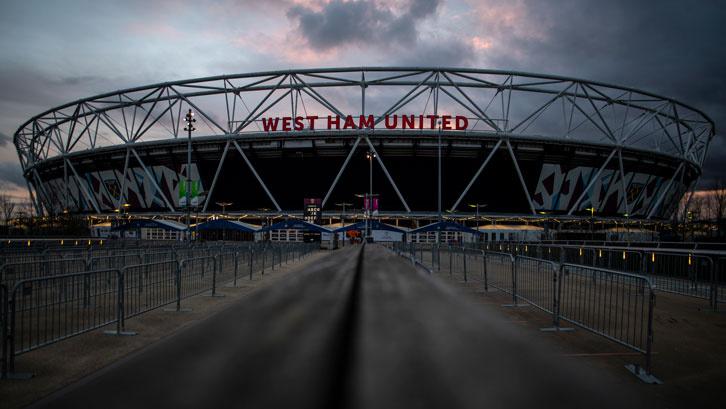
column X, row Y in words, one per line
column 719, row 289
column 407, row 254
column 689, row 274
column 500, row 273
column 45, row 302
column 45, row 310
column 685, row 274
column 148, row 286
column 612, row 304
column 26, row 256
column 4, row 317
column 11, row 273
column 537, row 283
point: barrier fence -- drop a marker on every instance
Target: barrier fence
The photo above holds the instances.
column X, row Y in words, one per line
column 674, row 271
column 49, row 301
column 537, row 283
column 45, row 310
column 613, row 304
column 719, row 290
column 11, row 273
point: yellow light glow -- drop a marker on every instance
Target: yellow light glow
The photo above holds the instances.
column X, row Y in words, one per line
column 581, row 251
column 61, row 242
column 689, row 259
column 600, row 253
column 28, row 243
column 76, row 242
column 652, row 258
column 623, row 255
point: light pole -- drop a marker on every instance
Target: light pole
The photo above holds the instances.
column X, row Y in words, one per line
column 370, row 156
column 477, row 206
column 264, row 221
column 592, row 221
column 438, row 128
column 342, row 217
column 223, row 204
column 189, row 118
column 126, row 216
column 369, row 198
column 439, row 179
column 546, row 223
column 451, row 216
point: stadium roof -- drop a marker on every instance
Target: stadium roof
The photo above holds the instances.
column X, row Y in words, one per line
column 375, row 225
column 509, row 227
column 224, row 224
column 152, row 224
column 444, row 226
column 295, row 224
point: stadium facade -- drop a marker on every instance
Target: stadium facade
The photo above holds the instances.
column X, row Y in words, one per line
column 430, row 140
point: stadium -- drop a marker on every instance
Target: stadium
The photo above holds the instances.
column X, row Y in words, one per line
column 425, row 142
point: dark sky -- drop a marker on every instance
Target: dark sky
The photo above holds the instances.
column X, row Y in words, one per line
column 56, row 52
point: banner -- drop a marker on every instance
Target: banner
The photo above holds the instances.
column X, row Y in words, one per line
column 367, row 205
column 194, row 193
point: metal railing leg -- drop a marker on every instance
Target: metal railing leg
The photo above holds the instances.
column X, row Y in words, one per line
column 250, row 262
column 4, row 306
column 236, row 261
column 450, row 262
column 214, row 278
column 463, row 253
column 179, row 268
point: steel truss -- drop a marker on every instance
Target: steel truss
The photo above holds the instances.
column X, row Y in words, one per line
column 501, row 106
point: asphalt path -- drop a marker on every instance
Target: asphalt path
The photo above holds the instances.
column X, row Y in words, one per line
column 362, row 328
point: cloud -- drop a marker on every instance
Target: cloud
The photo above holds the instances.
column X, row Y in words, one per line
column 435, row 52
column 665, row 50
column 360, row 22
column 5, row 140
column 11, row 176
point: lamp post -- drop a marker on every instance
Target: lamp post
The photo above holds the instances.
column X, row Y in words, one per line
column 264, row 220
column 189, row 118
column 592, row 221
column 370, row 156
column 126, row 216
column 546, row 222
column 223, row 204
column 477, row 206
column 369, row 197
column 342, row 217
column 451, row 216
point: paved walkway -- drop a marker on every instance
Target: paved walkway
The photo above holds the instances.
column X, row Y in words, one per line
column 359, row 328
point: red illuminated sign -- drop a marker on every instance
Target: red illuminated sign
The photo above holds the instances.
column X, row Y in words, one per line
column 299, row 123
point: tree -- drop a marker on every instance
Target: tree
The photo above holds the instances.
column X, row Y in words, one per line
column 716, row 205
column 7, row 206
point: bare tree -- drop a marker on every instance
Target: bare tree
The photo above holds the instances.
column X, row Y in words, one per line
column 716, row 205
column 7, row 206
